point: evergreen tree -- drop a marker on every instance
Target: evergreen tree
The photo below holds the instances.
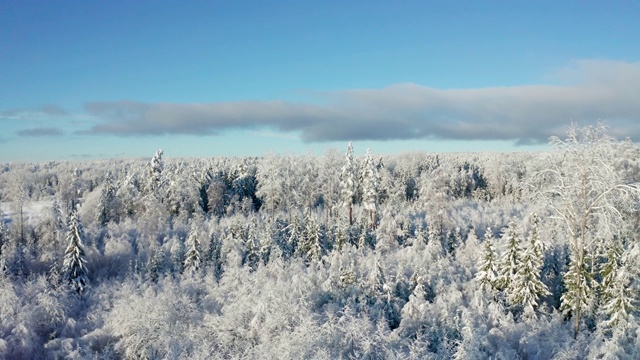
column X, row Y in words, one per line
column 192, row 258
column 348, row 182
column 527, row 285
column 156, row 265
column 510, row 261
column 487, row 269
column 107, row 207
column 214, row 255
column 74, row 265
column 156, row 167
column 617, row 298
column 370, row 183
column 310, row 247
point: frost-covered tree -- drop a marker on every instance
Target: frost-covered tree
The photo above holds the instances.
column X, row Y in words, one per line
column 589, row 196
column 74, row 265
column 487, row 268
column 527, row 285
column 108, row 206
column 370, row 183
column 156, row 167
column 192, row 258
column 510, row 261
column 310, row 244
column 348, row 182
column 617, row 296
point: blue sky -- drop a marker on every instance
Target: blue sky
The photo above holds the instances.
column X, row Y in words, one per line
column 102, row 79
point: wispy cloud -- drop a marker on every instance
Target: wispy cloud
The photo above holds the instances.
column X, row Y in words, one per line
column 596, row 90
column 46, row 110
column 41, row 131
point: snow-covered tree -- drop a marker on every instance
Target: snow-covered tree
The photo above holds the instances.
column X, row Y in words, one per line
column 74, row 265
column 487, row 268
column 617, row 296
column 589, row 196
column 510, row 261
column 108, row 206
column 156, row 167
column 527, row 285
column 348, row 182
column 370, row 183
column 310, row 244
column 192, row 258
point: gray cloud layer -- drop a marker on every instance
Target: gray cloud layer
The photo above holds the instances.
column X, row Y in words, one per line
column 42, row 131
column 27, row 114
column 525, row 114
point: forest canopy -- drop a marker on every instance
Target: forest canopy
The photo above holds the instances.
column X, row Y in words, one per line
column 416, row 255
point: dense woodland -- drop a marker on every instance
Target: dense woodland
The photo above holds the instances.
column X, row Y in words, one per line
column 412, row 256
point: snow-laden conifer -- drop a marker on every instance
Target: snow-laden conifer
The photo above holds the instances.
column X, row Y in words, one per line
column 192, row 258
column 510, row 260
column 74, row 265
column 487, row 268
column 617, row 299
column 348, row 182
column 370, row 183
column 527, row 285
column 107, row 206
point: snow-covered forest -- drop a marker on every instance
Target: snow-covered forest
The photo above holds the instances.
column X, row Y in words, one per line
column 411, row 256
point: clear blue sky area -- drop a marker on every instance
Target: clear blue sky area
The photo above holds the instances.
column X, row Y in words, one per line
column 96, row 79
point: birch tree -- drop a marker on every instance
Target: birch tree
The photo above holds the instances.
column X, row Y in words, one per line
column 588, row 197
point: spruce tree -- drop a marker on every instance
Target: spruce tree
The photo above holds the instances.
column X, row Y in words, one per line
column 348, row 182
column 617, row 298
column 107, row 207
column 192, row 258
column 74, row 265
column 310, row 245
column 510, row 261
column 487, row 269
column 370, row 181
column 527, row 285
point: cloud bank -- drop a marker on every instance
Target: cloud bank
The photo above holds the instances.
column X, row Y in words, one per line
column 597, row 90
column 41, row 131
column 46, row 110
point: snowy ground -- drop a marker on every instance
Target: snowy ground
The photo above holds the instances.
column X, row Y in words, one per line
column 33, row 210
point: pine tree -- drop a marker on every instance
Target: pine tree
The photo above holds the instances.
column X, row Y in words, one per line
column 527, row 285
column 348, row 182
column 487, row 269
column 74, row 265
column 155, row 171
column 310, row 245
column 107, row 207
column 510, row 261
column 370, row 181
column 192, row 258
column 617, row 299
column 155, row 268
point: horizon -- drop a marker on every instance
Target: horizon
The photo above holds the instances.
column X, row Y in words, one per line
column 121, row 80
